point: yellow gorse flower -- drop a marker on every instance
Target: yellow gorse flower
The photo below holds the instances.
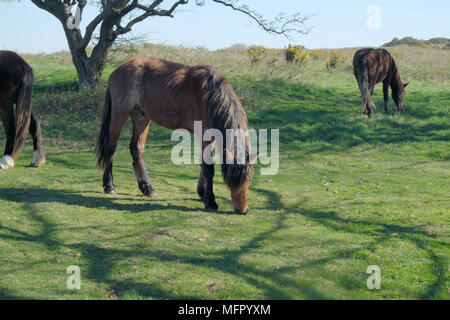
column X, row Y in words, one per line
column 256, row 53
column 295, row 54
column 335, row 60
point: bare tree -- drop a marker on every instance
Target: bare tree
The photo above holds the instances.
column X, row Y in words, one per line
column 118, row 17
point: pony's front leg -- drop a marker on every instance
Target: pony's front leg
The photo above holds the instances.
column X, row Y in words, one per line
column 201, row 185
column 386, row 95
column 209, row 199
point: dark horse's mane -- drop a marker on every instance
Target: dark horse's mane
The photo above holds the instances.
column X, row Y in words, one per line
column 395, row 83
column 226, row 112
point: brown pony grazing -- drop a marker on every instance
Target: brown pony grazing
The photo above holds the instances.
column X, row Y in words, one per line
column 16, row 87
column 173, row 96
column 372, row 66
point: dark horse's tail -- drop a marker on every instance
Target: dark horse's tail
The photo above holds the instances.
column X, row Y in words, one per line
column 103, row 138
column 363, row 81
column 23, row 110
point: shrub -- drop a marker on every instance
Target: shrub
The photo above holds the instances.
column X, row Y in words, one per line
column 256, row 53
column 335, row 60
column 434, row 43
column 317, row 54
column 294, row 54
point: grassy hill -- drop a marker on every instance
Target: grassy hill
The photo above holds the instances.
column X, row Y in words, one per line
column 351, row 192
column 443, row 43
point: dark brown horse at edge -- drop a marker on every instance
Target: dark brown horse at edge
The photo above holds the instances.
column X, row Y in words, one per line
column 372, row 66
column 173, row 96
column 16, row 87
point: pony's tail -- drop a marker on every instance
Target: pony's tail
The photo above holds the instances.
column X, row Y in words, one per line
column 103, row 137
column 23, row 110
column 363, row 80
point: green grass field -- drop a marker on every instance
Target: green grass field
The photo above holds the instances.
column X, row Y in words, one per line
column 351, row 192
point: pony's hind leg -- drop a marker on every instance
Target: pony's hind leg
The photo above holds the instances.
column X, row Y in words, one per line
column 137, row 146
column 7, row 116
column 35, row 131
column 114, row 134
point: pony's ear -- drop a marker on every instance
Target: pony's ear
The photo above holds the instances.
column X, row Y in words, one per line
column 252, row 157
column 405, row 85
column 229, row 156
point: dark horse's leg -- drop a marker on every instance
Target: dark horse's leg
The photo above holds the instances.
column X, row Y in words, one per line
column 369, row 108
column 209, row 199
column 386, row 85
column 205, row 183
column 137, row 146
column 7, row 116
column 35, row 131
column 201, row 185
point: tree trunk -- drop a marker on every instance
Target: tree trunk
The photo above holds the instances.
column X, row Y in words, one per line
column 89, row 69
column 89, row 74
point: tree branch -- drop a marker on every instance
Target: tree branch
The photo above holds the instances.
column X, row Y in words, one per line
column 149, row 11
column 282, row 25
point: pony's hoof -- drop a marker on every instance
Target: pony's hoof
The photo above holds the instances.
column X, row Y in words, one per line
column 152, row 194
column 212, row 207
column 34, row 165
column 6, row 162
column 38, row 159
column 111, row 192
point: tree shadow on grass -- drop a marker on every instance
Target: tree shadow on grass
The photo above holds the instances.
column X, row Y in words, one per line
column 381, row 232
column 101, row 261
column 384, row 231
column 95, row 200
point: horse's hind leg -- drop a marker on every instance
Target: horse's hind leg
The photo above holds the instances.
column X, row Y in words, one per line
column 370, row 103
column 7, row 116
column 117, row 122
column 35, row 131
column 137, row 146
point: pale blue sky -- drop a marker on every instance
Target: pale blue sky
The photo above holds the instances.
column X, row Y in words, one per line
column 26, row 28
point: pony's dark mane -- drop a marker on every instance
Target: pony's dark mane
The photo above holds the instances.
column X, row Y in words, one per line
column 226, row 112
column 396, row 82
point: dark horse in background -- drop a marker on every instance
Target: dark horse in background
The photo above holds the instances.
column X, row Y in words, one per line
column 372, row 66
column 173, row 96
column 16, row 87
